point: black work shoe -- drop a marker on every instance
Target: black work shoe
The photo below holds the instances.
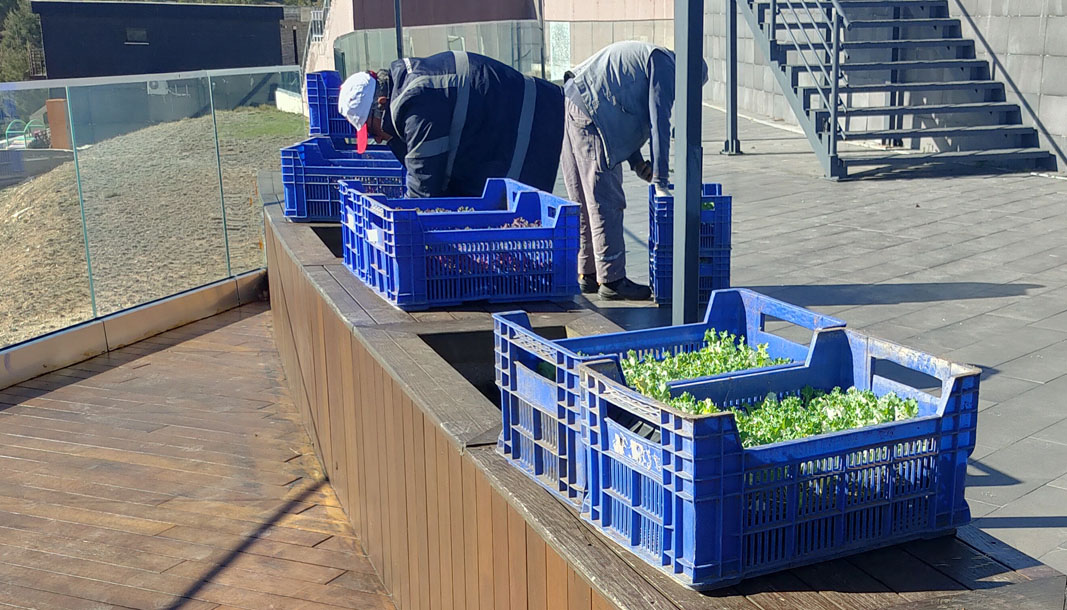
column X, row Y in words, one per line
column 624, row 290
column 588, row 284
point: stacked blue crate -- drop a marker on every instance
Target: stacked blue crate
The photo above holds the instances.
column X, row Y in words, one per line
column 715, row 228
column 312, row 169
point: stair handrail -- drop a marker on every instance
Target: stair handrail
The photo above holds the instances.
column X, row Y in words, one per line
column 838, row 22
column 797, row 46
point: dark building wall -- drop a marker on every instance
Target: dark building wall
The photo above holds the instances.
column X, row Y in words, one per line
column 93, row 38
column 369, row 14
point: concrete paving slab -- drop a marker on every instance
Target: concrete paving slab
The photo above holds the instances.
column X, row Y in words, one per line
column 1036, row 521
column 1044, row 462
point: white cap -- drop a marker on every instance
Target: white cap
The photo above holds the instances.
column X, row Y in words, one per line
column 355, row 99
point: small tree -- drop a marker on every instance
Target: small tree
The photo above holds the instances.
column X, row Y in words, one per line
column 22, row 31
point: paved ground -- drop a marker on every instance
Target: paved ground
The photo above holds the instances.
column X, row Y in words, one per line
column 972, row 268
column 173, row 473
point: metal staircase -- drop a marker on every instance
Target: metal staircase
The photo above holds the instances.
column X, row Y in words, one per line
column 893, row 72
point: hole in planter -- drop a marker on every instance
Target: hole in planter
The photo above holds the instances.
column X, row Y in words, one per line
column 472, row 355
column 786, row 330
column 330, row 236
column 909, row 377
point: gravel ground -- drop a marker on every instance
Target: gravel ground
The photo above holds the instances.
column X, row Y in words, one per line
column 155, row 226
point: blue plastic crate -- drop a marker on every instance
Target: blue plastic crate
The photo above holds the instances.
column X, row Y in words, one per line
column 312, row 169
column 323, row 89
column 542, row 417
column 687, row 498
column 714, row 274
column 715, row 224
column 416, row 258
column 715, row 242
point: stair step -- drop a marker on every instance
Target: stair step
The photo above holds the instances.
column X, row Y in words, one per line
column 977, row 107
column 801, row 25
column 902, row 23
column 924, row 64
column 931, row 132
column 847, row 4
column 955, row 85
column 1002, row 154
column 849, row 45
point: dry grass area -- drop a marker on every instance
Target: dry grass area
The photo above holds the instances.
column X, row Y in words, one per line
column 153, row 216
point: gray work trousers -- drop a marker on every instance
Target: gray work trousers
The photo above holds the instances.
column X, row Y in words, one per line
column 598, row 189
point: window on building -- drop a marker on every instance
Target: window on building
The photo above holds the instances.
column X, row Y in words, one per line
column 136, row 36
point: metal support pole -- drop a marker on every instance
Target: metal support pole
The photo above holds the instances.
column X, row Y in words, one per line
column 732, row 146
column 399, row 30
column 688, row 155
column 835, row 71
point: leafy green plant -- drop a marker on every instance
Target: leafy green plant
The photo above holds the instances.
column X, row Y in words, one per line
column 775, row 419
column 723, row 352
column 812, row 412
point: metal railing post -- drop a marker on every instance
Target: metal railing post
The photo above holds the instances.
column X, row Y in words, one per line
column 773, row 31
column 732, row 146
column 399, row 30
column 835, row 70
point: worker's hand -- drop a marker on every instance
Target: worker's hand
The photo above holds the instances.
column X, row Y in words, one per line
column 663, row 191
column 643, row 170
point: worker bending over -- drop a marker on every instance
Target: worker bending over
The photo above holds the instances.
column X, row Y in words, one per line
column 457, row 118
column 616, row 100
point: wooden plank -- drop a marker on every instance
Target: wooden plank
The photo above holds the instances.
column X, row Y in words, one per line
column 486, row 548
column 458, row 522
column 470, row 532
column 963, row 563
column 501, row 586
column 557, row 594
column 336, row 337
column 536, row 579
column 901, row 572
column 1043, row 594
column 320, row 394
column 517, row 559
column 578, row 591
column 783, row 591
column 372, row 380
column 379, row 310
column 350, row 399
column 847, row 586
column 444, row 512
column 388, row 485
column 433, row 522
column 416, row 556
column 420, row 516
column 363, row 387
column 15, row 596
column 599, row 603
column 398, row 509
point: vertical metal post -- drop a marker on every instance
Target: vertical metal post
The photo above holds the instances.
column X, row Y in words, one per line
column 688, row 155
column 732, row 146
column 772, row 27
column 835, row 70
column 399, row 30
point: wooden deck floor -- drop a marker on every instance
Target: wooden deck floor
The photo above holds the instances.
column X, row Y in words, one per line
column 172, row 474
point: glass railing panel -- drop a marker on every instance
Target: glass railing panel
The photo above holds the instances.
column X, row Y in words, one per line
column 149, row 179
column 44, row 275
column 256, row 114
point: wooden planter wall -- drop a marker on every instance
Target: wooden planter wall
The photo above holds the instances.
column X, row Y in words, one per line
column 432, row 520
